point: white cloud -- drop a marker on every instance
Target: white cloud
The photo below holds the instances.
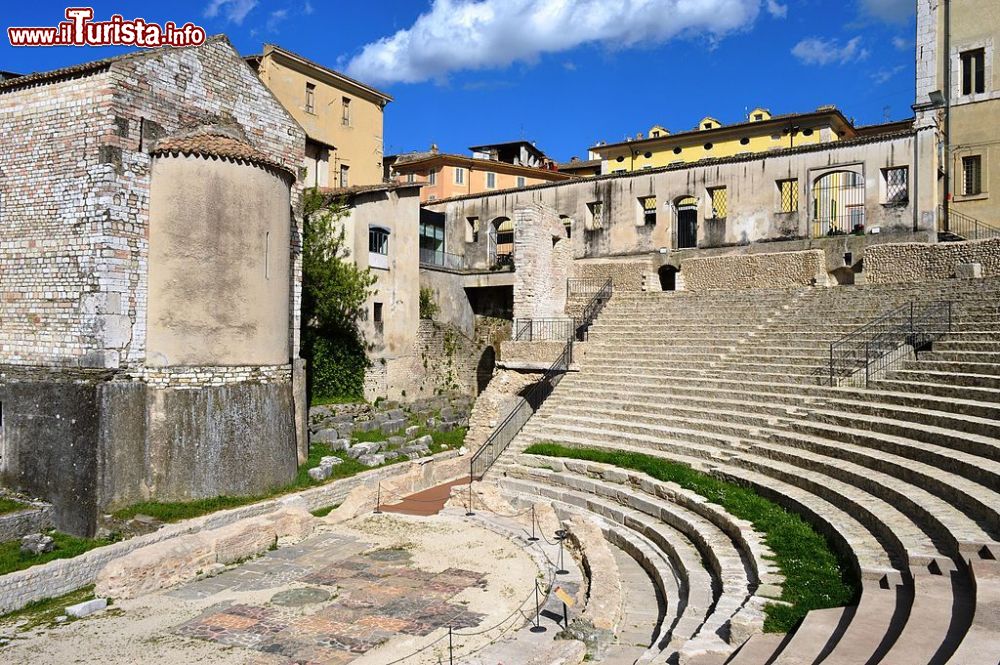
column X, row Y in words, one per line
column 233, row 10
column 894, row 11
column 817, row 51
column 776, row 9
column 901, row 44
column 480, row 34
column 884, row 74
column 307, row 8
column 276, row 17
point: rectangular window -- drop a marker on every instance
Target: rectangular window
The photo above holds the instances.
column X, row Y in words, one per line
column 972, row 175
column 378, row 240
column 432, row 177
column 788, row 192
column 377, row 320
column 410, row 178
column 491, row 180
column 459, row 175
column 595, row 216
column 897, row 185
column 520, row 181
column 344, row 178
column 973, row 71
column 345, row 111
column 472, row 229
column 720, row 201
column 310, row 98
column 647, row 204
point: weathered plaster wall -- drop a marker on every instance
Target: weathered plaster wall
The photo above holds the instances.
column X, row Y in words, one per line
column 453, row 303
column 916, row 262
column 543, row 258
column 756, row 271
column 218, row 263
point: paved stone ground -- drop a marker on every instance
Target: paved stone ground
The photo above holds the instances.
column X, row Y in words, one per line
column 377, row 588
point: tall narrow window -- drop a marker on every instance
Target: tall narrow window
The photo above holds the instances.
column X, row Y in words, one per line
column 595, row 218
column 897, row 185
column 788, row 193
column 972, row 175
column 472, row 229
column 411, row 178
column 310, row 97
column 345, row 112
column 720, row 202
column 520, row 181
column 267, row 255
column 432, row 177
column 459, row 175
column 973, row 71
column 377, row 317
column 491, row 180
column 344, row 177
column 647, row 206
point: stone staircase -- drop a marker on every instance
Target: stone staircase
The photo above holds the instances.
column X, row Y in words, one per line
column 904, row 475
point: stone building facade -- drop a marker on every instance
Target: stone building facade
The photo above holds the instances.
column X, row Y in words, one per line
column 151, row 282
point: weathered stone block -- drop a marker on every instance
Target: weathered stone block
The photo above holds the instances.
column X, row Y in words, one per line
column 86, row 608
column 325, row 436
column 319, row 473
column 374, row 459
column 37, row 543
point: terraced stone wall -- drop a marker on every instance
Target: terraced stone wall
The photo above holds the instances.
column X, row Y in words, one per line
column 756, row 271
column 916, row 262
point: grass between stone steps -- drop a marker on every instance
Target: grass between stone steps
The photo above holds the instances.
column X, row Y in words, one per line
column 11, row 506
column 182, row 510
column 815, row 577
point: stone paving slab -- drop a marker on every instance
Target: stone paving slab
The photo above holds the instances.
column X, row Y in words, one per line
column 349, row 606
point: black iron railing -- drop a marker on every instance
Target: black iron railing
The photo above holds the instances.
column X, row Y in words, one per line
column 508, row 428
column 968, row 228
column 537, row 330
column 584, row 286
column 441, row 259
column 868, row 352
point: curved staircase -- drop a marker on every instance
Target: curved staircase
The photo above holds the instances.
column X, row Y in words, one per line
column 903, row 476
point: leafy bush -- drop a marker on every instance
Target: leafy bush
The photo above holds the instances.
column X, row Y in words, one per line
column 428, row 307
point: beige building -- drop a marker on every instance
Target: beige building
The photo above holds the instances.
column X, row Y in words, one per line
column 958, row 90
column 342, row 117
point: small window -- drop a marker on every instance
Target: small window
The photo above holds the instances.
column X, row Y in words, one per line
column 972, row 175
column 708, row 125
column 345, row 180
column 520, row 181
column 647, row 155
column 973, row 71
column 432, row 177
column 807, row 132
column 310, row 98
column 744, row 141
column 491, row 180
column 758, row 116
column 378, row 240
column 656, row 133
column 567, row 224
column 345, row 111
column 677, row 151
column 720, row 201
column 788, row 192
column 377, row 318
column 620, row 159
column 897, row 185
column 647, row 205
column 267, row 255
column 472, row 229
column 411, row 178
column 595, row 216
column 708, row 146
column 459, row 175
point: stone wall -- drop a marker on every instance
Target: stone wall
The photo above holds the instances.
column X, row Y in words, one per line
column 35, row 518
column 917, row 262
column 543, row 258
column 494, row 404
column 755, row 271
column 626, row 274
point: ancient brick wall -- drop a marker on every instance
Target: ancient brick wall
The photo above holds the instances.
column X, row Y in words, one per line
column 755, row 271
column 543, row 257
column 74, row 172
column 915, row 262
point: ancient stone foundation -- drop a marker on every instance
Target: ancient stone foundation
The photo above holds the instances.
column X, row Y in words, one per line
column 94, row 441
column 756, row 271
column 914, row 262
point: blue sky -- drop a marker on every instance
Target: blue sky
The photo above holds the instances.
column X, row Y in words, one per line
column 563, row 73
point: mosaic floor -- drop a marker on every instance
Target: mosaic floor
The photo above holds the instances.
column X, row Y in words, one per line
column 338, row 609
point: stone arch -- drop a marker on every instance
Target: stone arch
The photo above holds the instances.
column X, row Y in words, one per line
column 838, row 203
column 501, row 241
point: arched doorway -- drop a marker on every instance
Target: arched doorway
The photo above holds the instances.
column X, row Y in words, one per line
column 838, row 199
column 686, row 230
column 501, row 242
column 668, row 278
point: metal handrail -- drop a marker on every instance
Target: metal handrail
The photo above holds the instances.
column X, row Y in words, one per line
column 551, row 329
column 441, row 259
column 500, row 438
column 968, row 227
column 872, row 347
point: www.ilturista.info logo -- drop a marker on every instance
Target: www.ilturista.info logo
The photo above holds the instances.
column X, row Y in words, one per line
column 79, row 29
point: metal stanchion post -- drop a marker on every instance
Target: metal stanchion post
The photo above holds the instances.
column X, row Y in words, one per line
column 533, row 538
column 561, row 536
column 469, row 512
column 378, row 499
column 451, row 653
column 538, row 627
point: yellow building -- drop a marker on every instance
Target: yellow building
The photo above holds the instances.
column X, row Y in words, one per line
column 711, row 139
column 958, row 91
column 342, row 117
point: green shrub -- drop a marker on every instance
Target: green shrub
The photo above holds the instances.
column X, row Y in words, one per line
column 428, row 306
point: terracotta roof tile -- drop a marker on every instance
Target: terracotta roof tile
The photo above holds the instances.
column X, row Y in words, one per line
column 215, row 145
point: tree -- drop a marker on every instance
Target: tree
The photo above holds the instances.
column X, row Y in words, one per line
column 334, row 293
